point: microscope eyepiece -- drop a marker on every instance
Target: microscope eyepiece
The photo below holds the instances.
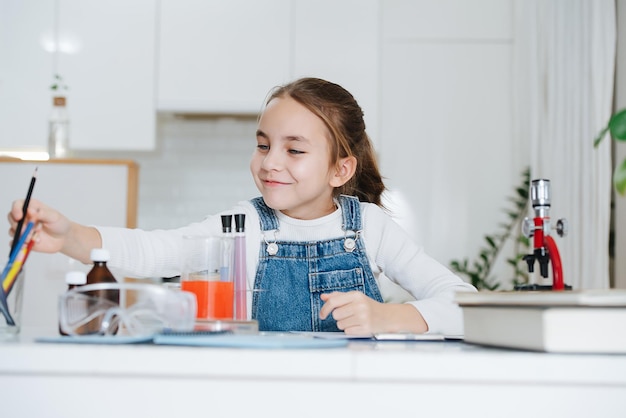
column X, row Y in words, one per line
column 540, row 192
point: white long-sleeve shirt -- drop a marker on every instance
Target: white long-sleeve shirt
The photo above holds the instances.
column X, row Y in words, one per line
column 391, row 253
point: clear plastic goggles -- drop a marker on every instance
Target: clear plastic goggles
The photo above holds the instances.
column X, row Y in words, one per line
column 125, row 309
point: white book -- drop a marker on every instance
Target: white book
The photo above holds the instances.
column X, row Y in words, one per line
column 586, row 321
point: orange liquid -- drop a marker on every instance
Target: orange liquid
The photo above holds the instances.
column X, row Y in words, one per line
column 221, row 300
column 214, row 299
column 200, row 288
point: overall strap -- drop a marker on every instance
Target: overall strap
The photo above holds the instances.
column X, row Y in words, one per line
column 267, row 217
column 351, row 212
column 350, row 209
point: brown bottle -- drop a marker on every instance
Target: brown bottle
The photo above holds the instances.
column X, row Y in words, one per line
column 100, row 273
column 73, row 279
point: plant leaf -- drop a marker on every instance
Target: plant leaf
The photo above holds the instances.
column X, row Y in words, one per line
column 617, row 125
column 600, row 137
column 619, row 178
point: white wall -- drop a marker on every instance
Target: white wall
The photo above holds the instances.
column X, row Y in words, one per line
column 200, row 167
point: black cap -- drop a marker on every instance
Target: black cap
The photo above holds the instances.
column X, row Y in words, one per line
column 240, row 220
column 227, row 221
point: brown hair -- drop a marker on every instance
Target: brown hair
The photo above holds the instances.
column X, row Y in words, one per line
column 343, row 117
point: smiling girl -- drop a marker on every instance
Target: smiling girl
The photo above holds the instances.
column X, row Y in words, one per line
column 318, row 240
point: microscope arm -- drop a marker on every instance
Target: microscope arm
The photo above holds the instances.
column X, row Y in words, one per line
column 555, row 259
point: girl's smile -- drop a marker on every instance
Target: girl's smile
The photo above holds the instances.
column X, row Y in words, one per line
column 270, row 182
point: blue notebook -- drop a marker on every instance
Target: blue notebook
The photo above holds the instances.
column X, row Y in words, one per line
column 96, row 339
column 263, row 340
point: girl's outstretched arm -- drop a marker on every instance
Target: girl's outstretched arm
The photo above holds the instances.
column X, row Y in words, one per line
column 55, row 232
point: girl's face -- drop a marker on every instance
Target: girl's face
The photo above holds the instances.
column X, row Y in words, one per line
column 291, row 164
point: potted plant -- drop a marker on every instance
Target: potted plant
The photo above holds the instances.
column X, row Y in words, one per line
column 479, row 271
column 617, row 127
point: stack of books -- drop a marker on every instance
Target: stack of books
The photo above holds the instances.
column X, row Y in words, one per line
column 584, row 321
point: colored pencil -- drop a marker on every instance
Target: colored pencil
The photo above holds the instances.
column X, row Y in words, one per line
column 12, row 270
column 4, row 308
column 18, row 242
column 16, row 268
column 20, row 223
column 19, row 245
column 15, row 253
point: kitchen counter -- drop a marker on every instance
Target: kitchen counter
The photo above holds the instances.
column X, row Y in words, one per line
column 443, row 378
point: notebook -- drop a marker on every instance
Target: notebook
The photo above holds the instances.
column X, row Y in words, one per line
column 265, row 340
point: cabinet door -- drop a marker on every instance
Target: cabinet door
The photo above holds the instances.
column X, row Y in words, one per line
column 338, row 41
column 109, row 67
column 26, row 67
column 221, row 56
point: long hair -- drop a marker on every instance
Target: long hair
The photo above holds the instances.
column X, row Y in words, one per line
column 343, row 117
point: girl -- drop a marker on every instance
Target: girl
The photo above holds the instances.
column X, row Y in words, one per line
column 318, row 239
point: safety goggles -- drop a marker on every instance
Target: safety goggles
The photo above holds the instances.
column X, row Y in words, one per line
column 125, row 309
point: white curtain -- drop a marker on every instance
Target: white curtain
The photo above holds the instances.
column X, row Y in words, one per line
column 564, row 59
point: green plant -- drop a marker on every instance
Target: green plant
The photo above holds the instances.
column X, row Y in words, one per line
column 479, row 271
column 58, row 84
column 617, row 127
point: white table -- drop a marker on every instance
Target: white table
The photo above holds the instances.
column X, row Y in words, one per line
column 365, row 379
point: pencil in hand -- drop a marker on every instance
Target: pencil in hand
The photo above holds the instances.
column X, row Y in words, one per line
column 20, row 223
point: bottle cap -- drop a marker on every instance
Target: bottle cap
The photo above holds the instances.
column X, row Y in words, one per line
column 240, row 220
column 100, row 254
column 76, row 277
column 227, row 221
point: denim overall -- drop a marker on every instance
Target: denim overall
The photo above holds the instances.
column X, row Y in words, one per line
column 291, row 276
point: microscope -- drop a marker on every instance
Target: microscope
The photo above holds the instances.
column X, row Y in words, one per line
column 545, row 251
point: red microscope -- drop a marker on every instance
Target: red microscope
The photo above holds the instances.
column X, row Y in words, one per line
column 545, row 249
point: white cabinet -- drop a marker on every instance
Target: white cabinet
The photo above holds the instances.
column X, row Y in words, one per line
column 225, row 56
column 221, row 56
column 105, row 51
column 110, row 69
column 26, row 68
column 339, row 41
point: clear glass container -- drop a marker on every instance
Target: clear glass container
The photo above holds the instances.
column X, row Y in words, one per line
column 59, row 129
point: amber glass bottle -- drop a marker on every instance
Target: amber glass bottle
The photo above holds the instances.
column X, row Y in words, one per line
column 100, row 273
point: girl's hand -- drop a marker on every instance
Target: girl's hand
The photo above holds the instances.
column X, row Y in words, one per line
column 51, row 226
column 358, row 314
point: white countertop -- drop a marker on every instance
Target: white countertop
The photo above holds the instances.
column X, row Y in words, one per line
column 434, row 374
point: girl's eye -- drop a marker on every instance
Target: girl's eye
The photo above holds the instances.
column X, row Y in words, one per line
column 295, row 151
column 262, row 147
